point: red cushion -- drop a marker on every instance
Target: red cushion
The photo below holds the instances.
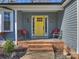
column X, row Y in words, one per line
column 55, row 31
column 24, row 31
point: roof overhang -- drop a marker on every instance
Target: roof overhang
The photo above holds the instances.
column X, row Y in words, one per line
column 33, row 2
column 35, row 6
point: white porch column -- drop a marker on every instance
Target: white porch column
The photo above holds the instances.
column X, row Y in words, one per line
column 77, row 26
column 16, row 27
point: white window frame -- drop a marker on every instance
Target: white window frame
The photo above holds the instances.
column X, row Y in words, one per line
column 0, row 21
column 11, row 21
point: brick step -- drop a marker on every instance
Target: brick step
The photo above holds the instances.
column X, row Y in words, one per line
column 41, row 49
column 39, row 45
column 44, row 42
column 53, row 43
column 41, row 42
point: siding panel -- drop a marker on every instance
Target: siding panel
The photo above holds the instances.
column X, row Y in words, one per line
column 69, row 25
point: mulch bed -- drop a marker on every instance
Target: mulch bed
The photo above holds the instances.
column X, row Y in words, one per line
column 17, row 53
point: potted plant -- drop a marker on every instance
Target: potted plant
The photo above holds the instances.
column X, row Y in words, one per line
column 8, row 48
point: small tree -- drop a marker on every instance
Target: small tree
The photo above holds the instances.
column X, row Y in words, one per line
column 8, row 47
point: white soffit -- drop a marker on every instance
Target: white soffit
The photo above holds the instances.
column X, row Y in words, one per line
column 37, row 7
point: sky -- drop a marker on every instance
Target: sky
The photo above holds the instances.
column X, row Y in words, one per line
column 30, row 1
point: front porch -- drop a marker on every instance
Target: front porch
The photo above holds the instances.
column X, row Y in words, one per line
column 42, row 29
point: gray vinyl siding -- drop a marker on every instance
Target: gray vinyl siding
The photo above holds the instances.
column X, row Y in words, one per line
column 69, row 25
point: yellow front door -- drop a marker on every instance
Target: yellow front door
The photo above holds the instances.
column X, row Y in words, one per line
column 39, row 25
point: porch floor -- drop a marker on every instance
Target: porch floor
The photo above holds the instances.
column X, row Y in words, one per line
column 43, row 40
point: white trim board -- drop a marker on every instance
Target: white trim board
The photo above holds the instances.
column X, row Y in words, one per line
column 0, row 21
column 35, row 8
column 77, row 26
column 16, row 27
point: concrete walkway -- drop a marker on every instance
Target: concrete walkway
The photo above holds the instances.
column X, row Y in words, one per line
column 38, row 55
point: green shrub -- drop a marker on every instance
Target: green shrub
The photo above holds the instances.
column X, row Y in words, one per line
column 8, row 46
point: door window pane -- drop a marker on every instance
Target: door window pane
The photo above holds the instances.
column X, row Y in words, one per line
column 33, row 25
column 46, row 25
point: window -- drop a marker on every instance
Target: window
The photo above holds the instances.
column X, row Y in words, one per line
column 39, row 19
column 8, row 21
